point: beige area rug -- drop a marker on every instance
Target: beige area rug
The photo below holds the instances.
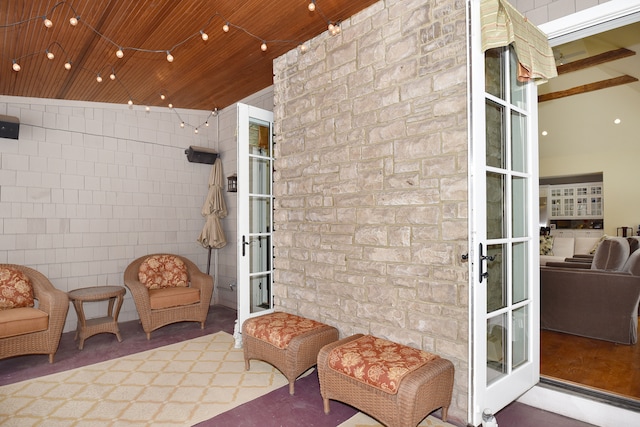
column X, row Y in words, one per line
column 362, row 420
column 177, row 385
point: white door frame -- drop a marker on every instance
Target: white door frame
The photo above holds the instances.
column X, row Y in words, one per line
column 248, row 268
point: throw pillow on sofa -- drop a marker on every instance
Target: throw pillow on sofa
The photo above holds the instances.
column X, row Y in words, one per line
column 546, row 245
column 15, row 289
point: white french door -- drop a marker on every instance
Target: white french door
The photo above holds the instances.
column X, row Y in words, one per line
column 504, row 274
column 255, row 212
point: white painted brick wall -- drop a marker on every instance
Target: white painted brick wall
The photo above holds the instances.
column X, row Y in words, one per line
column 89, row 187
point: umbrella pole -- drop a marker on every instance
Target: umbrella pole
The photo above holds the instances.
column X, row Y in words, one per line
column 209, row 262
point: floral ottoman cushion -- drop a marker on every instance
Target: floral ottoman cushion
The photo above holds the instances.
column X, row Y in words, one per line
column 279, row 328
column 377, row 362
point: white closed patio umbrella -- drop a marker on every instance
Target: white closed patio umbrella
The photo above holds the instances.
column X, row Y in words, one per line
column 214, row 208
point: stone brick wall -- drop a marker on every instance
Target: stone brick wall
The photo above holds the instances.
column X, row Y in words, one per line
column 371, row 179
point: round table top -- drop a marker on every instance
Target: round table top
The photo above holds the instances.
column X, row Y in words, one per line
column 96, row 293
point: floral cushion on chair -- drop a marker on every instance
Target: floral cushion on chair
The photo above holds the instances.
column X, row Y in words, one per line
column 15, row 289
column 163, row 271
column 377, row 362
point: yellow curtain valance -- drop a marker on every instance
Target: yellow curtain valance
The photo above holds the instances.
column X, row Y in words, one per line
column 503, row 25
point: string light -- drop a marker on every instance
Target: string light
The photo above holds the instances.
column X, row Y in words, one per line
column 196, row 131
column 334, row 28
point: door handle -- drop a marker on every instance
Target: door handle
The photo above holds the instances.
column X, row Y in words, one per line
column 484, row 274
column 244, row 243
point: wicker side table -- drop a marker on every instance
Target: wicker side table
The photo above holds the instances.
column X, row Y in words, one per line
column 109, row 323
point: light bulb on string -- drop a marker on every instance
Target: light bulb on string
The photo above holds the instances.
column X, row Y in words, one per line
column 330, row 27
column 112, row 76
column 181, row 124
column 206, row 124
column 312, row 5
column 163, row 96
column 67, row 65
column 170, row 106
column 169, row 57
column 99, row 78
column 225, row 27
column 50, row 55
column 214, row 112
column 15, row 66
column 119, row 53
column 204, row 35
column 130, row 102
column 147, row 108
column 74, row 20
column 303, row 48
column 47, row 22
column 196, row 131
column 263, row 47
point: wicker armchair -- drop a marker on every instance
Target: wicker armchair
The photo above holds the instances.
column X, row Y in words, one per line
column 50, row 300
column 154, row 318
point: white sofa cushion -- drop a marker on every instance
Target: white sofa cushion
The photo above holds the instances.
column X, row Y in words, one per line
column 563, row 247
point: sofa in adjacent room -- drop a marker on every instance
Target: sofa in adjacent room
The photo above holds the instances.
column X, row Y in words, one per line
column 600, row 303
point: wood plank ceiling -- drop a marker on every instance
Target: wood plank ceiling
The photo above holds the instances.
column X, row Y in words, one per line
column 205, row 74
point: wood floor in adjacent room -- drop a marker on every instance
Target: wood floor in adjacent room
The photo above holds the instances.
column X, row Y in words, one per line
column 600, row 365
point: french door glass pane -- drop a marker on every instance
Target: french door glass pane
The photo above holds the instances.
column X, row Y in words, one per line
column 260, row 292
column 259, row 214
column 520, row 273
column 259, row 175
column 495, row 206
column 496, row 348
column 518, row 142
column 260, row 253
column 495, row 132
column 517, row 89
column 497, row 277
column 519, row 206
column 494, row 69
column 520, row 339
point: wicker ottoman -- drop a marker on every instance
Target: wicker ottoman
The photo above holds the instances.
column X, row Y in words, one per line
column 396, row 384
column 286, row 341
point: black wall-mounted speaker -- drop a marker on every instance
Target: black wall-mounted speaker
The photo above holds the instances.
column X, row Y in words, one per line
column 9, row 127
column 201, row 155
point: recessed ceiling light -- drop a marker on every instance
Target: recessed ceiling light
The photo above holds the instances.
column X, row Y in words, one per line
column 617, row 121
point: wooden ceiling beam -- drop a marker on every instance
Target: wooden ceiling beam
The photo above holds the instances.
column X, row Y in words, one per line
column 591, row 61
column 603, row 84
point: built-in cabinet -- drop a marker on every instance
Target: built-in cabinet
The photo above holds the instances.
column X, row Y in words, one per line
column 575, row 201
column 572, row 206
